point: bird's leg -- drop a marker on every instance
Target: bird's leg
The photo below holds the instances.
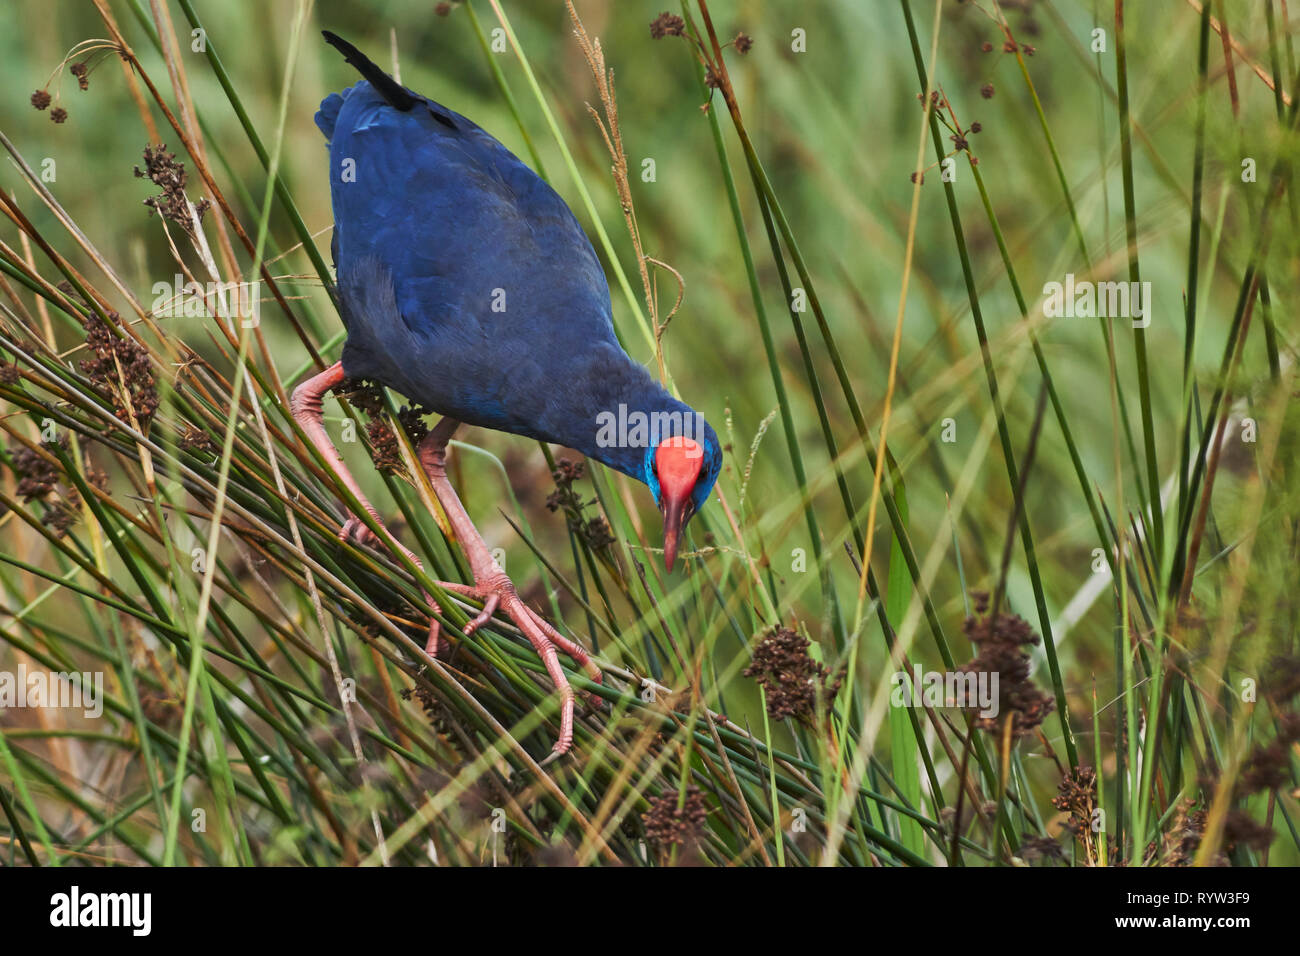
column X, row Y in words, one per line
column 306, row 407
column 495, row 589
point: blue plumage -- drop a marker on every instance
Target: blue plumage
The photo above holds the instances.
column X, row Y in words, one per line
column 469, row 286
column 466, row 284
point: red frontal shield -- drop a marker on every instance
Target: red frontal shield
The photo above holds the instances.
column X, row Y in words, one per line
column 678, row 462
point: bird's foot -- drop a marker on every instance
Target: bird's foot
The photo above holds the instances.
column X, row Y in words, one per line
column 497, row 592
column 356, row 531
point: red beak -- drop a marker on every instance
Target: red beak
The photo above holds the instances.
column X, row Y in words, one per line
column 677, row 462
column 674, row 511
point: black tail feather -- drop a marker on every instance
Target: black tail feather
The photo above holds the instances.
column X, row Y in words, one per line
column 397, row 95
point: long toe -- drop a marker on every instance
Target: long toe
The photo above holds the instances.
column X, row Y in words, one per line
column 490, row 604
column 355, row 530
column 498, row 593
column 577, row 654
column 435, row 646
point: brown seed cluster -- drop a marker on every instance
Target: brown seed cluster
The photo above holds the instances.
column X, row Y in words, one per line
column 743, row 43
column 666, row 825
column 1183, row 839
column 159, row 708
column 62, row 513
column 667, row 25
column 110, row 352
column 594, row 531
column 1241, row 829
column 368, row 397
column 96, row 477
column 439, row 717
column 1268, row 766
column 195, row 439
column 1184, row 835
column 365, row 396
column 384, row 447
column 1041, row 848
column 937, row 102
column 1077, row 796
column 167, row 173
column 791, row 679
column 412, row 422
column 37, row 476
column 1283, row 680
column 1002, row 642
column 41, row 100
column 38, row 479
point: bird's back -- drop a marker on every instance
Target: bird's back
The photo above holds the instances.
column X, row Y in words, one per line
column 467, row 283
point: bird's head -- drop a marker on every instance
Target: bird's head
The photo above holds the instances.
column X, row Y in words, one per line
column 680, row 472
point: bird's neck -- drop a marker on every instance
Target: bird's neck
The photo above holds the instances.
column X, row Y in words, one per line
column 628, row 414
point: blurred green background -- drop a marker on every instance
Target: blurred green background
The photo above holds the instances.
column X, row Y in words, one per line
column 837, row 128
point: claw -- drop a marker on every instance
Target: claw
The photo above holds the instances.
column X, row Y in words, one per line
column 556, row 754
column 497, row 592
column 355, row 530
column 489, row 608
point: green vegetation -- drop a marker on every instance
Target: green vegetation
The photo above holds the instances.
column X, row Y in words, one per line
column 866, row 205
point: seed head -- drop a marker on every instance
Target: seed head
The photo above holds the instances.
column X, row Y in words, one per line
column 1002, row 641
column 667, row 25
column 111, row 352
column 791, row 679
column 666, row 825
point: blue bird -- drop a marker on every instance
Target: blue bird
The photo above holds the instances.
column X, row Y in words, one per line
column 466, row 284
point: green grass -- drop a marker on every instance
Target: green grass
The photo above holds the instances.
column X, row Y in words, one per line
column 1125, row 491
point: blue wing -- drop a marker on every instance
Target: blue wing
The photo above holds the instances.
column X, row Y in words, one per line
column 467, row 284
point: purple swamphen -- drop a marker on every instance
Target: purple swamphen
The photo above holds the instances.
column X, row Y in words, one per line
column 467, row 285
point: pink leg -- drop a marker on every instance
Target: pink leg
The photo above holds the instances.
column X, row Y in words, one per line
column 305, row 404
column 495, row 589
